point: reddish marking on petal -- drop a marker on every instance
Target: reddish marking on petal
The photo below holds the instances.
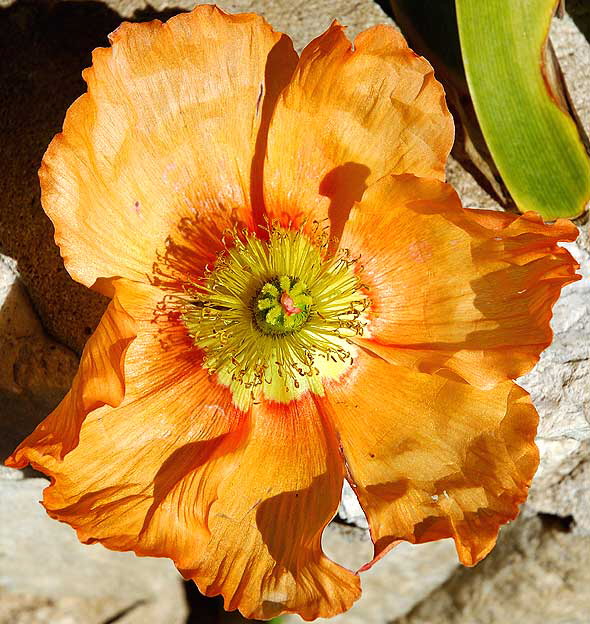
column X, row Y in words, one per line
column 288, row 306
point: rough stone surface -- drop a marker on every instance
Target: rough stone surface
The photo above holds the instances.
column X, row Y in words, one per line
column 48, row 577
column 573, row 52
column 35, row 371
column 537, row 574
column 396, row 583
column 350, row 510
column 471, row 194
column 560, row 388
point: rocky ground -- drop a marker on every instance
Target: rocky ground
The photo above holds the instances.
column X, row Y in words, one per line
column 540, row 570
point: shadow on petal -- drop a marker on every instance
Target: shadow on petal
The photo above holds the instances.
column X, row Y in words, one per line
column 344, row 185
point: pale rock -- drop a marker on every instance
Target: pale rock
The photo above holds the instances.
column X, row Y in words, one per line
column 397, row 582
column 573, row 53
column 560, row 388
column 472, row 194
column 537, row 574
column 30, row 362
column 350, row 510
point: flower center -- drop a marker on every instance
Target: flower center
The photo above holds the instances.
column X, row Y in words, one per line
column 274, row 318
column 282, row 306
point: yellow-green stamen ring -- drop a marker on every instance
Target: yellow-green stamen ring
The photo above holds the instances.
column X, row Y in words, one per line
column 275, row 317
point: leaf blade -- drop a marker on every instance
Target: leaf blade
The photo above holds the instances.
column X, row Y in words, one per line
column 533, row 140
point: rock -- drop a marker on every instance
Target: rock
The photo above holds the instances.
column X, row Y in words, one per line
column 35, row 371
column 471, row 194
column 560, row 389
column 573, row 52
column 47, row 576
column 350, row 511
column 396, row 583
column 538, row 574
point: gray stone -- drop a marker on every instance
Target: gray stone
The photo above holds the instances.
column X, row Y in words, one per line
column 538, row 574
column 350, row 510
column 560, row 389
column 396, row 583
column 573, row 53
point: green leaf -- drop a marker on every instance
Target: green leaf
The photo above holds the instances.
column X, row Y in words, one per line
column 522, row 104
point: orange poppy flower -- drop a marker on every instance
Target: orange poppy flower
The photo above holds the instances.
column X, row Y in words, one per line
column 297, row 298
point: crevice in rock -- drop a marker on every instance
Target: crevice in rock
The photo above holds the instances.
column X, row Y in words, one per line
column 117, row 617
column 338, row 519
column 563, row 524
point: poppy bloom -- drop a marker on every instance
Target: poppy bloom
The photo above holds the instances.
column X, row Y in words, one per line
column 297, row 298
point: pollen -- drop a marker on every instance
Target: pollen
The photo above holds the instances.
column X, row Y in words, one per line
column 275, row 315
column 282, row 306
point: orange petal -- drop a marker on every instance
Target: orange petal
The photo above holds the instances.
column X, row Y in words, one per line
column 171, row 411
column 349, row 117
column 264, row 554
column 173, row 125
column 456, row 291
column 238, row 501
column 430, row 457
column 99, row 381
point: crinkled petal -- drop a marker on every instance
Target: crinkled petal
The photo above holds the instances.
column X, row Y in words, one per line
column 456, row 291
column 238, row 500
column 173, row 125
column 172, row 418
column 264, row 554
column 430, row 457
column 349, row 117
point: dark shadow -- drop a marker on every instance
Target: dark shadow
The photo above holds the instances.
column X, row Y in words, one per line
column 19, row 415
column 203, row 610
column 275, row 69
column 579, row 10
column 44, row 46
column 344, row 185
column 385, row 6
column 561, row 524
